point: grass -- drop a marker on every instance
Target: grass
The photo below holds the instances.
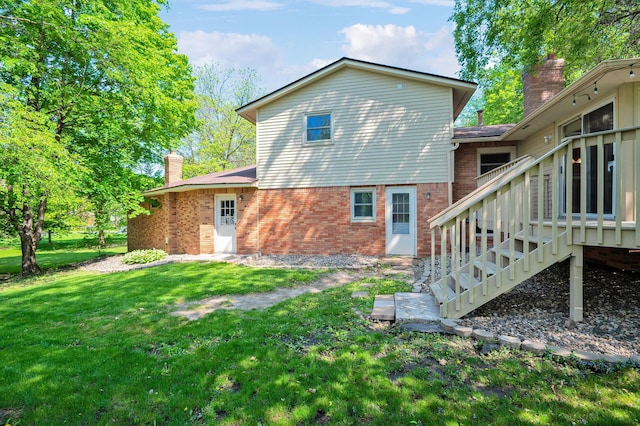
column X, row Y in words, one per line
column 87, row 348
column 64, row 250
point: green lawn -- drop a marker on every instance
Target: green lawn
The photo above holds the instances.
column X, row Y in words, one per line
column 63, row 250
column 85, row 348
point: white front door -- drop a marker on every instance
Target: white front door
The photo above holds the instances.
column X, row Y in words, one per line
column 400, row 214
column 225, row 226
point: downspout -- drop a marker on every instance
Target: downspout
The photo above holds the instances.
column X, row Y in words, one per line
column 451, row 171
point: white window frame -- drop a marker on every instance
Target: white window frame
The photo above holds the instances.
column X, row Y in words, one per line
column 363, row 219
column 305, row 120
column 511, row 150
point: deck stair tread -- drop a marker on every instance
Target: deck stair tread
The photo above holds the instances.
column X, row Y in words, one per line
column 506, row 252
column 465, row 280
column 438, row 292
column 491, row 267
column 532, row 238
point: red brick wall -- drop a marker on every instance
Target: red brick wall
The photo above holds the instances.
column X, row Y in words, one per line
column 292, row 221
column 617, row 258
column 466, row 167
column 542, row 83
column 318, row 221
column 149, row 231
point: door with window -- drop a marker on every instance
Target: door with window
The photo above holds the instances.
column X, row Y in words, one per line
column 598, row 120
column 225, row 224
column 400, row 217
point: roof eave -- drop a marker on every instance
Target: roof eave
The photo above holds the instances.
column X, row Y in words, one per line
column 191, row 187
column 467, row 88
column 582, row 83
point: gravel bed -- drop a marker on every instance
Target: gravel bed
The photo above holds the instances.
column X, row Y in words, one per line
column 538, row 309
column 301, row 261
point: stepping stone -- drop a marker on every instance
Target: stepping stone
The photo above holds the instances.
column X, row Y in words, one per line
column 384, row 308
column 416, row 307
column 360, row 294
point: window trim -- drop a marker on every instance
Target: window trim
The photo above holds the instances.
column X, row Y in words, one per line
column 363, row 219
column 320, row 142
column 510, row 149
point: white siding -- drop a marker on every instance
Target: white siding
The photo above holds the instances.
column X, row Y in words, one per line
column 382, row 134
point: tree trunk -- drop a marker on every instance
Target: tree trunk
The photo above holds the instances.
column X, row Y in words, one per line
column 101, row 238
column 29, row 245
column 49, row 234
column 30, row 233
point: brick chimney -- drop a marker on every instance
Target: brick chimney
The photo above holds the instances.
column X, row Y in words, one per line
column 542, row 82
column 480, row 113
column 172, row 168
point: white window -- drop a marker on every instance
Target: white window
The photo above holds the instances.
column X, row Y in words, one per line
column 318, row 128
column 491, row 158
column 363, row 205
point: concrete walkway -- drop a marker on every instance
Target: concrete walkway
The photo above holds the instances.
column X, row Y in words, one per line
column 393, row 268
column 198, row 309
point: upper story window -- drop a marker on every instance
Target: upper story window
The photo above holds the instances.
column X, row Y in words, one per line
column 598, row 120
column 317, row 128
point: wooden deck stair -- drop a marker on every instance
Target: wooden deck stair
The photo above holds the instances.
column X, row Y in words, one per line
column 478, row 281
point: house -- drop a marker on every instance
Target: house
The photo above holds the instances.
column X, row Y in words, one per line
column 353, row 158
column 364, row 158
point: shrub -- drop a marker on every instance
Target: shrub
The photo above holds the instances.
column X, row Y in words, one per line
column 143, row 256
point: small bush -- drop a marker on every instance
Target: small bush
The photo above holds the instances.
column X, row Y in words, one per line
column 143, row 256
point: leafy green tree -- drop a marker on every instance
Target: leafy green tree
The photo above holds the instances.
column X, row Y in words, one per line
column 35, row 172
column 501, row 35
column 223, row 139
column 106, row 75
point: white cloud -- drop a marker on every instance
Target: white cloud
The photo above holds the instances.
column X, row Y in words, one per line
column 403, row 46
column 238, row 5
column 228, row 49
column 395, row 10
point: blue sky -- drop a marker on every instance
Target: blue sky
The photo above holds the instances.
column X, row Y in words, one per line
column 285, row 40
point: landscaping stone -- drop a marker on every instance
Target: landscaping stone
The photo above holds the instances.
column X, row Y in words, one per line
column 360, row 294
column 510, row 342
column 535, row 347
column 422, row 327
column 449, row 325
column 587, row 356
column 463, row 331
column 560, row 351
column 483, row 335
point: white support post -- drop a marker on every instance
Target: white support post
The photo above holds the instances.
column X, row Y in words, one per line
column 575, row 292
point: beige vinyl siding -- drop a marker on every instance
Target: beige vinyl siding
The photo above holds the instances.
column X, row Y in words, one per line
column 382, row 133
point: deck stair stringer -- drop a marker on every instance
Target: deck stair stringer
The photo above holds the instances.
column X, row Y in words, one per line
column 470, row 286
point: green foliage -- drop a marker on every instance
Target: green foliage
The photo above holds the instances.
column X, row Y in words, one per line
column 508, row 36
column 223, row 139
column 97, row 83
column 143, row 256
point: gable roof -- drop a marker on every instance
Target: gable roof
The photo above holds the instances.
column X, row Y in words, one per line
column 234, row 178
column 462, row 90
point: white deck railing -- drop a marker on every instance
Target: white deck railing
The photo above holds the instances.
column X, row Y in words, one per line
column 529, row 201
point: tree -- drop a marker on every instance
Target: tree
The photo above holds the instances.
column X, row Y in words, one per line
column 499, row 35
column 28, row 143
column 106, row 75
column 223, row 139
